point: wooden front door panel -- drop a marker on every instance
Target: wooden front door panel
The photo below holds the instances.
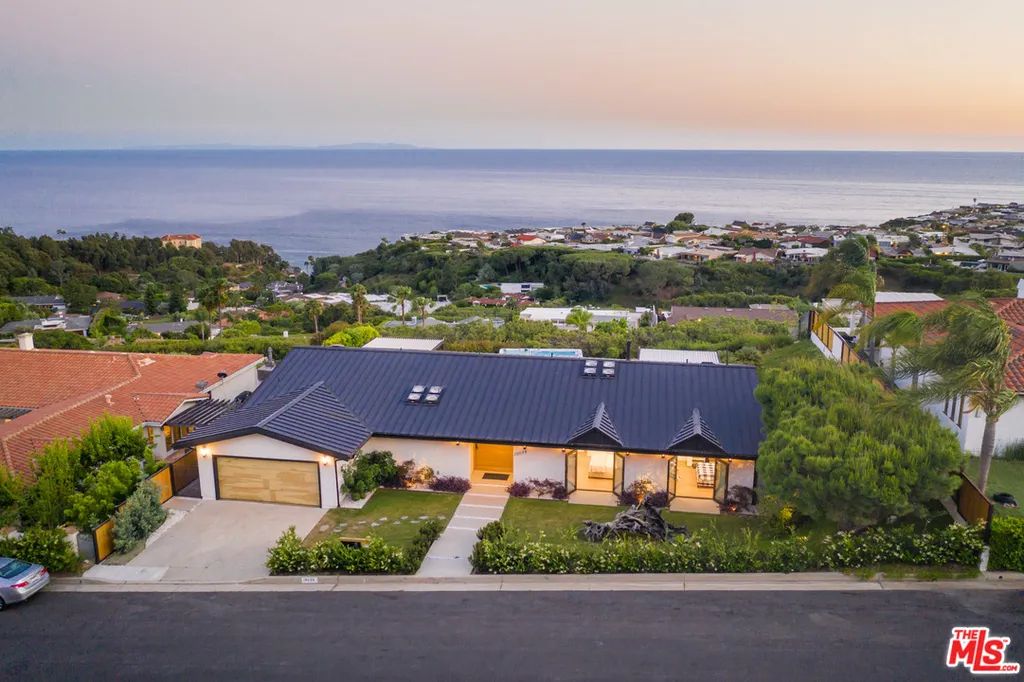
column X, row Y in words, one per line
column 493, row 458
column 268, row 480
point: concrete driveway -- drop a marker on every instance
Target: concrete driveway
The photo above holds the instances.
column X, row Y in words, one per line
column 222, row 540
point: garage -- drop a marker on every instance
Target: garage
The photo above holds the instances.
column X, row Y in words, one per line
column 267, row 480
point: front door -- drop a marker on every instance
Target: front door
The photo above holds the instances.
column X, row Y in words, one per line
column 497, row 458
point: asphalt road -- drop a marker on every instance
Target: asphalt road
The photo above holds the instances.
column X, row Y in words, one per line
column 498, row 635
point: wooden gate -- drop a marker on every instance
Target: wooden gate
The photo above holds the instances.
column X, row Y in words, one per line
column 972, row 504
column 184, row 470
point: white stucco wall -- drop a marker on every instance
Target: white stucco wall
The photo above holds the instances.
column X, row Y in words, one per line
column 446, row 458
column 262, row 447
column 540, row 463
column 741, row 472
column 246, row 379
column 1009, row 429
column 654, row 467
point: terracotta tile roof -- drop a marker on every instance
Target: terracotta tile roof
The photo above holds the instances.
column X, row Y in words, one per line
column 69, row 389
column 1011, row 310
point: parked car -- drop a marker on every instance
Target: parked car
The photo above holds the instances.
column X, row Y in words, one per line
column 19, row 580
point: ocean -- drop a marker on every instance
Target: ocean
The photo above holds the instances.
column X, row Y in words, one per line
column 319, row 202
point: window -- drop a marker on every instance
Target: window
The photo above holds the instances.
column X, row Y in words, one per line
column 150, row 436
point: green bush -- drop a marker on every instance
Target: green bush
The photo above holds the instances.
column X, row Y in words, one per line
column 140, row 516
column 709, row 551
column 494, row 531
column 112, row 438
column 1013, row 451
column 48, row 547
column 1007, row 544
column 332, row 555
column 105, row 488
column 58, row 470
column 368, row 470
column 11, row 493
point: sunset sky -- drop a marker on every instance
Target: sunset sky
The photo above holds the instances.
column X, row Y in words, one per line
column 785, row 74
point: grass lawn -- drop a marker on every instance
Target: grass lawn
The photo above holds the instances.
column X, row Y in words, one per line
column 393, row 515
column 559, row 522
column 1006, row 476
column 780, row 356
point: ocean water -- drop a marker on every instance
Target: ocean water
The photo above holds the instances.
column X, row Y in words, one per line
column 306, row 202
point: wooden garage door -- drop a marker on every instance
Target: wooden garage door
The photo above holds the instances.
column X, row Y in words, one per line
column 493, row 458
column 268, row 480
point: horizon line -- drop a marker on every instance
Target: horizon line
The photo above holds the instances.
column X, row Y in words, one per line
column 397, row 147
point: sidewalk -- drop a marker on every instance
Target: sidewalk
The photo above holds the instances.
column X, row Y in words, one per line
column 669, row 582
column 449, row 555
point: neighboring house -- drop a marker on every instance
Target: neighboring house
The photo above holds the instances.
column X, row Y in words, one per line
column 956, row 414
column 383, row 342
column 684, row 313
column 557, row 316
column 685, row 357
column 519, row 287
column 192, row 240
column 161, row 328
column 808, row 254
column 54, row 303
column 752, row 254
column 65, row 390
column 75, row 324
column 596, row 425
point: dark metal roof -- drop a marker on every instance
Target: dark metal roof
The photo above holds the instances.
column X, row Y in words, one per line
column 598, row 430
column 12, row 412
column 311, row 417
column 201, row 413
column 696, row 436
column 509, row 399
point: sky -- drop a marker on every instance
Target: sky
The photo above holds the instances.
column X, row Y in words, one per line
column 669, row 74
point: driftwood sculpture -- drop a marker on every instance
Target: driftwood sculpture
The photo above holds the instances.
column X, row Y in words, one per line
column 641, row 519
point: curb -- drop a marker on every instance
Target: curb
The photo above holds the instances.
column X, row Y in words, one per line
column 522, row 583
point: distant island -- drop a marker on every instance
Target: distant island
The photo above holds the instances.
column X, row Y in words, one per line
column 360, row 146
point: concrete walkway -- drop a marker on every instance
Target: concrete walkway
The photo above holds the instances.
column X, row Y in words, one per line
column 449, row 557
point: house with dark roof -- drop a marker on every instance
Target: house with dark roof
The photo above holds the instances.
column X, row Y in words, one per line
column 595, row 425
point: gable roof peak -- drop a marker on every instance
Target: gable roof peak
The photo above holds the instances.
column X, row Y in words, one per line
column 599, row 423
column 696, row 435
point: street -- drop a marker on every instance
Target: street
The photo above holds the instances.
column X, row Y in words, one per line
column 498, row 635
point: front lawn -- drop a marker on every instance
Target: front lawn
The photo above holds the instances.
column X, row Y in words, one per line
column 1006, row 476
column 559, row 522
column 392, row 515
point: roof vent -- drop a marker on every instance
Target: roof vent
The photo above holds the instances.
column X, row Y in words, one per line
column 222, row 375
column 201, row 384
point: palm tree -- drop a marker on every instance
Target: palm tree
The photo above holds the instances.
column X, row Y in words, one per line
column 359, row 301
column 969, row 359
column 420, row 304
column 215, row 296
column 579, row 318
column 903, row 329
column 313, row 310
column 401, row 296
column 201, row 315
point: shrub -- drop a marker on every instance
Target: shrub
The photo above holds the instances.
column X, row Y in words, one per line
column 659, row 498
column 105, row 488
column 11, row 493
column 710, row 551
column 493, row 532
column 1013, row 451
column 57, row 470
column 1007, row 544
column 48, row 547
column 112, row 438
column 140, row 516
column 332, row 555
column 636, row 492
column 450, row 484
column 739, row 498
column 368, row 470
column 409, row 474
column 519, row 489
column 550, row 486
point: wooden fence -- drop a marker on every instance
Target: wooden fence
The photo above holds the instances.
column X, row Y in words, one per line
column 972, row 504
column 103, row 534
column 846, row 354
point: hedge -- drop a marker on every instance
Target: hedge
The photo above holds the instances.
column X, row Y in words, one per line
column 331, row 555
column 48, row 547
column 1006, row 544
column 708, row 551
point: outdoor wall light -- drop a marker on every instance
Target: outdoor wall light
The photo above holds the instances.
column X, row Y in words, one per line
column 325, row 460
